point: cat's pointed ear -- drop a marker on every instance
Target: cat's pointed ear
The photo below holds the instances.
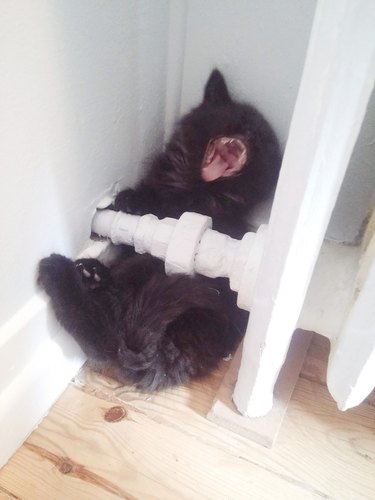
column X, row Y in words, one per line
column 215, row 91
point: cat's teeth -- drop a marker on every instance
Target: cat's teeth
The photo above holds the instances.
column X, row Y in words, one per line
column 97, row 277
column 86, row 274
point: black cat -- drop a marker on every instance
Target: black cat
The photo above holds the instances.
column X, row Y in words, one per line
column 222, row 159
column 159, row 331
column 155, row 330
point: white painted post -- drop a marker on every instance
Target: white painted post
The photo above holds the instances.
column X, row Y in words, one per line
column 336, row 84
column 351, row 366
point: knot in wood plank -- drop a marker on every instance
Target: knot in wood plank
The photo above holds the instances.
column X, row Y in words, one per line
column 66, row 467
column 115, row 414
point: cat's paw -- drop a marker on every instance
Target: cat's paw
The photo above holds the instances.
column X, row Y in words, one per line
column 127, row 201
column 93, row 273
column 53, row 271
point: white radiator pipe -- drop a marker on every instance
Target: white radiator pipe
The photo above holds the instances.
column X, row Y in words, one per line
column 188, row 245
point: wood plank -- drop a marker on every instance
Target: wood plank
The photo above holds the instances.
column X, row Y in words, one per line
column 318, row 464
column 45, row 479
column 166, row 448
column 342, row 443
column 315, row 365
column 6, row 495
column 262, row 430
column 136, row 457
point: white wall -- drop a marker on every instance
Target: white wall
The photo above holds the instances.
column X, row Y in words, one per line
column 82, row 97
column 86, row 90
column 356, row 200
column 259, row 45
column 82, row 86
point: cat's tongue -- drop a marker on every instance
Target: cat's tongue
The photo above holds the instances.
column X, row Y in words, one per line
column 224, row 157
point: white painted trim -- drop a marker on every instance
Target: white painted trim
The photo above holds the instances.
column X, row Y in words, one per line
column 37, row 361
column 336, row 85
column 351, row 365
column 329, row 295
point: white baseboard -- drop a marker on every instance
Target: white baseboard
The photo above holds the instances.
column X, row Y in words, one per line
column 37, row 361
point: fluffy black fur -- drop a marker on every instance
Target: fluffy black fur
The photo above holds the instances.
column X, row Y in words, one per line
column 173, row 182
column 156, row 330
column 159, row 331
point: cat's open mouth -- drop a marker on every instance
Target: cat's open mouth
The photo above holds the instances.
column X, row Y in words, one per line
column 224, row 157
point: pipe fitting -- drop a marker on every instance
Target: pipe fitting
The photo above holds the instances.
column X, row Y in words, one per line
column 189, row 245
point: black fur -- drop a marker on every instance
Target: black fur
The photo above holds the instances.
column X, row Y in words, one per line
column 156, row 330
column 159, row 331
column 173, row 184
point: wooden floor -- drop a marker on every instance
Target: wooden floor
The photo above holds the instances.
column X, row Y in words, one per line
column 104, row 441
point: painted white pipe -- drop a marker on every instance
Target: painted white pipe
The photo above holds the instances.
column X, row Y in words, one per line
column 189, row 245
